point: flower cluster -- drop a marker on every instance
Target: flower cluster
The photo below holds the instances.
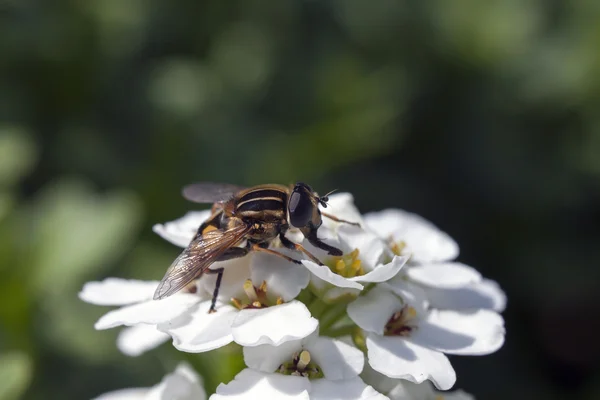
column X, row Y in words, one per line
column 373, row 323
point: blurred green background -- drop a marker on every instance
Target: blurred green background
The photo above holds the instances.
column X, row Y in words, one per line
column 482, row 116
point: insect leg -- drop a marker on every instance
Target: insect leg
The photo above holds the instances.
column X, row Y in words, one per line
column 311, row 236
column 336, row 219
column 234, row 252
column 256, row 247
column 295, row 246
column 219, row 272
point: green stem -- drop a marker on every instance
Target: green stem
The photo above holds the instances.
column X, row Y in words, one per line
column 331, row 316
column 341, row 331
column 305, row 296
column 317, row 308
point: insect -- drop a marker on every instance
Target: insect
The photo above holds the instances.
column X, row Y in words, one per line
column 256, row 216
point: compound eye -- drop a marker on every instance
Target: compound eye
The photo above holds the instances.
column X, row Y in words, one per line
column 301, row 208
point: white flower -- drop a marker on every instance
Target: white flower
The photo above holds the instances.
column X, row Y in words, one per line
column 265, row 314
column 183, row 384
column 405, row 390
column 135, row 340
column 400, row 389
column 414, row 235
column 406, row 340
column 264, row 310
column 448, row 284
column 361, row 263
column 181, row 231
column 312, row 368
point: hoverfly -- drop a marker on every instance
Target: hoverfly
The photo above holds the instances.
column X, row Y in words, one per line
column 256, row 215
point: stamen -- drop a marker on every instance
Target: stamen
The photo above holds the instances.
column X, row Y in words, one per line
column 348, row 265
column 237, row 303
column 397, row 247
column 303, row 360
column 263, row 287
column 301, row 365
column 250, row 290
column 257, row 297
column 400, row 322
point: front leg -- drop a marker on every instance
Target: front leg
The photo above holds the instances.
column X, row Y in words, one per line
column 310, row 233
column 298, row 247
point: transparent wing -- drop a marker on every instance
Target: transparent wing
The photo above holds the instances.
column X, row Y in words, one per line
column 208, row 192
column 197, row 257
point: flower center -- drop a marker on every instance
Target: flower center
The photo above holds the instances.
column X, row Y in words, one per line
column 301, row 365
column 402, row 322
column 347, row 265
column 396, row 247
column 256, row 297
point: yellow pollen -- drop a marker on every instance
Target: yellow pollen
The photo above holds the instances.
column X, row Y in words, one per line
column 303, row 360
column 439, row 397
column 237, row 303
column 397, row 247
column 411, row 312
column 340, row 266
column 263, row 286
column 256, row 297
column 348, row 265
column 250, row 291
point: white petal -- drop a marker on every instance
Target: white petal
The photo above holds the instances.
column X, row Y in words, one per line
column 410, row 293
column 183, row 384
column 383, row 272
column 136, row 340
column 199, row 331
column 323, row 272
column 181, row 231
column 125, row 394
column 371, row 247
column 250, row 384
column 267, row 358
column 283, row 278
column 273, row 325
column 372, row 311
column 457, row 395
column 401, row 359
column 485, row 294
column 235, row 273
column 117, row 291
column 380, row 382
column 404, row 390
column 476, row 332
column 342, row 206
column 444, row 275
column 424, row 240
column 337, row 359
column 148, row 312
column 351, row 389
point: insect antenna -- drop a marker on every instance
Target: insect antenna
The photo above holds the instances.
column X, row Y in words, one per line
column 324, row 199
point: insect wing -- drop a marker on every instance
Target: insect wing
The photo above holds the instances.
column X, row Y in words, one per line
column 197, row 257
column 208, row 192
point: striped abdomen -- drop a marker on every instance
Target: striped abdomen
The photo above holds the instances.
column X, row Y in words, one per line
column 264, row 203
